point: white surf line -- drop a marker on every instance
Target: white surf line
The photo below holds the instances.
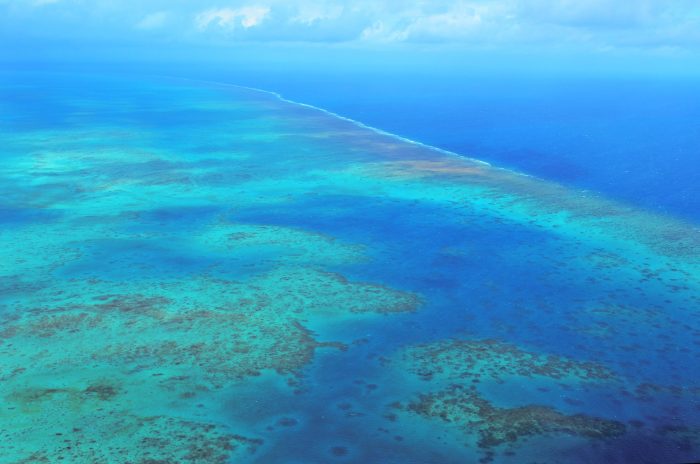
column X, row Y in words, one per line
column 362, row 125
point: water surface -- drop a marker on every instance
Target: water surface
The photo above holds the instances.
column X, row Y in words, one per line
column 198, row 273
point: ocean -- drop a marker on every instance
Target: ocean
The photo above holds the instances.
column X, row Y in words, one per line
column 196, row 272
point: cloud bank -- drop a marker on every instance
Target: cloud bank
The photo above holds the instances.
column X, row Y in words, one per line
column 596, row 24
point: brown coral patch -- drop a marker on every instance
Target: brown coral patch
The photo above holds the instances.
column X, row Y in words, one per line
column 144, row 440
column 416, row 168
column 495, row 426
column 464, row 359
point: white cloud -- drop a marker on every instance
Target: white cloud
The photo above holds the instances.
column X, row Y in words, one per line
column 310, row 13
column 381, row 32
column 457, row 22
column 246, row 17
column 153, row 21
column 592, row 24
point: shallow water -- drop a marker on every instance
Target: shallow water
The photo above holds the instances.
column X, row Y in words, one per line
column 203, row 273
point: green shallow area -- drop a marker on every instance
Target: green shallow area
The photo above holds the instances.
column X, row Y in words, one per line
column 94, row 370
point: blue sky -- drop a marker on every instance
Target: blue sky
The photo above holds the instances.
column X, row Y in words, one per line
column 644, row 28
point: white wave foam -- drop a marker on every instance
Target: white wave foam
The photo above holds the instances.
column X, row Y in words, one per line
column 355, row 122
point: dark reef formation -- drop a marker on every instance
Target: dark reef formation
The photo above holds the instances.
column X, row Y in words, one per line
column 493, row 359
column 456, row 375
column 495, row 426
column 130, row 439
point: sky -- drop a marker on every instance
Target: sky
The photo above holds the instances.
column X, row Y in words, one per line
column 666, row 29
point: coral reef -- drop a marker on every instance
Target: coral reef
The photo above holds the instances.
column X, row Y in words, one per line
column 463, row 360
column 100, row 364
column 118, row 437
column 453, row 389
column 159, row 269
column 495, row 426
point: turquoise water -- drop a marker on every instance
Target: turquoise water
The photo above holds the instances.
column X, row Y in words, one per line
column 200, row 273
